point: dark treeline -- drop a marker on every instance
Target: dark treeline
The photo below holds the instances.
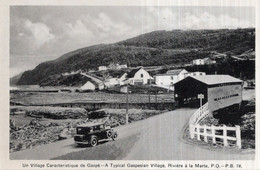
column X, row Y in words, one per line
column 243, row 69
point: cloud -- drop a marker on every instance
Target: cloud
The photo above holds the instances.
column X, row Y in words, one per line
column 77, row 29
column 38, row 33
column 209, row 21
column 103, row 26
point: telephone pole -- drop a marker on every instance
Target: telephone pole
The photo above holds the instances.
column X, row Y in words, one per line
column 126, row 116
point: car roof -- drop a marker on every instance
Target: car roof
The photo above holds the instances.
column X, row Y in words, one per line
column 90, row 124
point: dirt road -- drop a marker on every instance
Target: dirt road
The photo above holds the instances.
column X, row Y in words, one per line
column 156, row 138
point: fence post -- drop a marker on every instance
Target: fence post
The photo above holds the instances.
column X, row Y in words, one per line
column 198, row 131
column 225, row 135
column 213, row 133
column 191, row 131
column 238, row 136
column 205, row 134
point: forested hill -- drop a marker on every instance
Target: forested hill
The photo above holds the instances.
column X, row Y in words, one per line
column 151, row 49
column 221, row 40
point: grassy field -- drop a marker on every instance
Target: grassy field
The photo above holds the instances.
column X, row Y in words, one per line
column 30, row 98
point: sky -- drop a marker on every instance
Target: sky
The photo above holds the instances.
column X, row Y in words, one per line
column 43, row 33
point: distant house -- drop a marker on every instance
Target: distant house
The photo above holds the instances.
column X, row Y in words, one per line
column 203, row 61
column 209, row 61
column 170, row 77
column 92, row 85
column 116, row 77
column 123, row 66
column 113, row 66
column 102, row 68
column 123, row 89
column 138, row 76
column 88, row 86
column 121, row 79
column 198, row 62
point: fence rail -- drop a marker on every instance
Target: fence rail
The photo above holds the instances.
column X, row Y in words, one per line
column 199, row 114
column 210, row 132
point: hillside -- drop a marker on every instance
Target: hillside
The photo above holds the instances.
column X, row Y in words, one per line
column 64, row 80
column 14, row 80
column 152, row 49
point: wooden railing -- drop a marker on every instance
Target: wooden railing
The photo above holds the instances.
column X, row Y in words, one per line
column 199, row 114
column 215, row 134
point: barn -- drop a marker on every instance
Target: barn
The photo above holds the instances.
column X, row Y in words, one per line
column 220, row 91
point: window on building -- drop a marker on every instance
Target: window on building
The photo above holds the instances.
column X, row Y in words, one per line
column 142, row 75
column 172, row 77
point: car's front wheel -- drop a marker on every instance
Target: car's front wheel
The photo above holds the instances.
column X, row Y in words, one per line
column 93, row 141
column 109, row 134
column 114, row 136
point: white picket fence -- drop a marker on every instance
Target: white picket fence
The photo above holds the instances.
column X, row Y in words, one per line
column 212, row 133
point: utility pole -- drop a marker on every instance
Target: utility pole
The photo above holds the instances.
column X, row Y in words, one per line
column 126, row 116
column 149, row 92
column 156, row 97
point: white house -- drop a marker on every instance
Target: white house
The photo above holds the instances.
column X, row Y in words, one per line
column 198, row 62
column 92, row 85
column 123, row 66
column 203, row 61
column 113, row 66
column 111, row 81
column 209, row 61
column 88, row 86
column 170, row 77
column 138, row 76
column 121, row 79
column 102, row 68
column 116, row 79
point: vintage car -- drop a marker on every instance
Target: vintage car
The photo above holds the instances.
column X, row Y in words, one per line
column 92, row 133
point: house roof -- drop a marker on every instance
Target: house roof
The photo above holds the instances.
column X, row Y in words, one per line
column 131, row 74
column 174, row 72
column 116, row 73
column 216, row 79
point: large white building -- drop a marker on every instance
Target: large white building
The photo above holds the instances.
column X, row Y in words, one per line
column 170, row 77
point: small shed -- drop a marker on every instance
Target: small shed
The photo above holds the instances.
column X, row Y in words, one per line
column 88, row 86
column 219, row 91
